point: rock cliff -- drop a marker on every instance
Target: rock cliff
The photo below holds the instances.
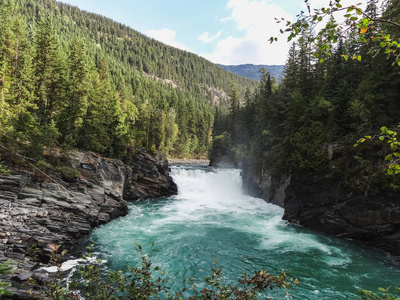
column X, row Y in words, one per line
column 324, row 204
column 265, row 186
column 37, row 211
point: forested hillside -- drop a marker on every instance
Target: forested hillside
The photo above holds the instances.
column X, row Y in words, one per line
column 311, row 121
column 79, row 80
column 253, row 71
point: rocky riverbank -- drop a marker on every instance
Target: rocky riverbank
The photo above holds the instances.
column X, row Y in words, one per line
column 38, row 211
column 325, row 204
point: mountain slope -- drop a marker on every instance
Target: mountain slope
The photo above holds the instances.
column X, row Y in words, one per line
column 105, row 85
column 130, row 48
column 253, row 71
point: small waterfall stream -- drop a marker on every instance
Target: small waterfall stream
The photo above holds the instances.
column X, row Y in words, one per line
column 210, row 218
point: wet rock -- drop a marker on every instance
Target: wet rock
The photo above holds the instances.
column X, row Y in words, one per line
column 321, row 203
column 22, row 277
column 264, row 185
column 324, row 204
column 34, row 215
column 14, row 255
column 148, row 177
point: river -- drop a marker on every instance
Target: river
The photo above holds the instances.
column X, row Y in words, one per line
column 211, row 218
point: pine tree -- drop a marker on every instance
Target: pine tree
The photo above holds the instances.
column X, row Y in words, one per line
column 74, row 109
column 16, row 99
column 50, row 72
column 234, row 113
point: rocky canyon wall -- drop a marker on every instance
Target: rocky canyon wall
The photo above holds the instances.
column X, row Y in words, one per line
column 324, row 204
column 38, row 211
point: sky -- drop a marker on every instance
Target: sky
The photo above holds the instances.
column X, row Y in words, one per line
column 229, row 32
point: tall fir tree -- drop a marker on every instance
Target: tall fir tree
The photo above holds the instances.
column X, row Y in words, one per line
column 50, row 72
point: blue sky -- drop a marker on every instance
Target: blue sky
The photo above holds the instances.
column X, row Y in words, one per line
column 223, row 31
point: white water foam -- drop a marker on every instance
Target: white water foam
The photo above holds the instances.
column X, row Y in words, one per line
column 211, row 217
column 205, row 193
column 219, row 190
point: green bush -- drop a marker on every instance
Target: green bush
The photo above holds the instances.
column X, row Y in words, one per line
column 5, row 268
column 146, row 281
column 69, row 173
column 384, row 294
column 43, row 165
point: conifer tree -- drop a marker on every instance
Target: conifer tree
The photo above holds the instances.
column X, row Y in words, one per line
column 50, row 72
column 16, row 91
column 74, row 108
column 234, row 113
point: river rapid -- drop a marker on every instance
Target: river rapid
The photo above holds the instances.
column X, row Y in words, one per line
column 211, row 218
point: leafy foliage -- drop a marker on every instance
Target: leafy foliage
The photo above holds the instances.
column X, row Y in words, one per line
column 384, row 294
column 5, row 269
column 389, row 137
column 358, row 25
column 3, row 169
column 145, row 281
column 248, row 287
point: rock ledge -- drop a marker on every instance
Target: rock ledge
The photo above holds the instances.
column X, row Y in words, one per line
column 36, row 213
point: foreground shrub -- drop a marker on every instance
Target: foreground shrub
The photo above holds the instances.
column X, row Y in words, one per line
column 146, row 281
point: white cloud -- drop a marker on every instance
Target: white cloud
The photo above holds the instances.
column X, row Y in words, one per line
column 257, row 19
column 207, row 39
column 225, row 19
column 167, row 36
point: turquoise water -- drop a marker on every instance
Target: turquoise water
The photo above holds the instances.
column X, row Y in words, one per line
column 210, row 218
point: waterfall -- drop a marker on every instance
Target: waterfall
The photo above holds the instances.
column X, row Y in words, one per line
column 211, row 218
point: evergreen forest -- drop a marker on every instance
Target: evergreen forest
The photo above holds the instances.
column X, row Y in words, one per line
column 74, row 79
column 71, row 79
column 326, row 115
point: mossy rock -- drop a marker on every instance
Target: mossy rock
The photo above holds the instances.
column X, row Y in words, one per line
column 69, row 174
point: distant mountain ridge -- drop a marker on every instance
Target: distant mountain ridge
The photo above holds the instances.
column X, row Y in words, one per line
column 253, row 71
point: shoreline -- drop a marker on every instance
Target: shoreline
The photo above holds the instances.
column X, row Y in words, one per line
column 183, row 161
column 37, row 215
